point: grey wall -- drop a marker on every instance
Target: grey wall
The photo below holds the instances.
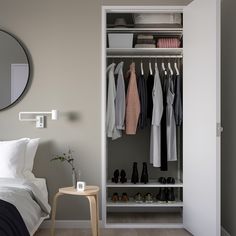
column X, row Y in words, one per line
column 64, row 40
column 228, row 116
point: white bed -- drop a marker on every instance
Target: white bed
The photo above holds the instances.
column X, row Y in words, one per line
column 19, row 187
column 30, row 197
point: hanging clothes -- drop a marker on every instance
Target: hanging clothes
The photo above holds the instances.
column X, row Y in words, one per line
column 170, row 122
column 120, row 98
column 155, row 139
column 164, row 83
column 142, row 90
column 132, row 102
column 178, row 107
column 150, row 83
column 112, row 132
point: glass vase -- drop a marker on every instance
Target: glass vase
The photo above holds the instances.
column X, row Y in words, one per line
column 74, row 178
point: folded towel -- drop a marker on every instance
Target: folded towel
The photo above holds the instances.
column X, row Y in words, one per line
column 144, row 36
column 168, row 43
column 145, row 45
column 146, row 41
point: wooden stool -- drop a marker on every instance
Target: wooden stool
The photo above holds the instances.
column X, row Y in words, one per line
column 91, row 193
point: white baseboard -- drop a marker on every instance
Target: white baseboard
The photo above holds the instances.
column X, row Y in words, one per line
column 68, row 224
column 224, row 232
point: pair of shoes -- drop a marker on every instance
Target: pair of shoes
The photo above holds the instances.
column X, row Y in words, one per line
column 124, row 197
column 140, row 199
column 115, row 197
column 166, row 195
column 135, row 176
column 122, row 174
column 148, row 198
column 169, row 180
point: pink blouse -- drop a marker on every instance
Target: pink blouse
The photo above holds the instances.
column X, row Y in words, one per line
column 132, row 102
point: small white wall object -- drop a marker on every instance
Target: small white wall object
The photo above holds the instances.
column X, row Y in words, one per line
column 39, row 118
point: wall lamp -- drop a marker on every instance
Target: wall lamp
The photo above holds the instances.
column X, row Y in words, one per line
column 39, row 117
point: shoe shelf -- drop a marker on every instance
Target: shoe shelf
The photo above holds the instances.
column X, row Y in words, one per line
column 132, row 203
column 151, row 183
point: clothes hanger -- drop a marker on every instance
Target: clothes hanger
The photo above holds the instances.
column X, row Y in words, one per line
column 170, row 69
column 141, row 67
column 163, row 68
column 156, row 63
column 176, row 68
column 150, row 67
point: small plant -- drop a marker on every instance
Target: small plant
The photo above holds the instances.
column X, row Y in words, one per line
column 65, row 157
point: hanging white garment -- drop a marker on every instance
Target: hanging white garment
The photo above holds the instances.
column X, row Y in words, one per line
column 120, row 98
column 155, row 139
column 170, row 123
column 112, row 132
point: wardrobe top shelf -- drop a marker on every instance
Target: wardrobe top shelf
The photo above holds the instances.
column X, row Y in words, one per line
column 155, row 31
column 151, row 183
column 144, row 51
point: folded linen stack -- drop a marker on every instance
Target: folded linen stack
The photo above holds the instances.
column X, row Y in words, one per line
column 168, row 43
column 145, row 41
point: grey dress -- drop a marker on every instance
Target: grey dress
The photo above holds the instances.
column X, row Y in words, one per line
column 155, row 139
column 170, row 122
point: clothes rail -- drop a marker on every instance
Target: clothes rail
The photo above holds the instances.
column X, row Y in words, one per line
column 145, row 56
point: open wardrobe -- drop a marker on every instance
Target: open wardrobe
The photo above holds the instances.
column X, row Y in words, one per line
column 161, row 117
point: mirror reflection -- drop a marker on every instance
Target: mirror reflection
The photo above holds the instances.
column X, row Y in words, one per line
column 14, row 70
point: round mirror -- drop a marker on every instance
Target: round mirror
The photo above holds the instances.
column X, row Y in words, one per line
column 14, row 70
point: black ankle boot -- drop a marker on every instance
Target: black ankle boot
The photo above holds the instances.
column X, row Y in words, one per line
column 116, row 176
column 170, row 195
column 134, row 178
column 123, row 178
column 144, row 176
column 162, row 196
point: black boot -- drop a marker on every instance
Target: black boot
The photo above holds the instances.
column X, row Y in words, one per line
column 144, row 176
column 116, row 176
column 162, row 196
column 170, row 195
column 134, row 178
column 123, row 178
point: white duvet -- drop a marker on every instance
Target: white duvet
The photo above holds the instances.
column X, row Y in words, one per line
column 28, row 200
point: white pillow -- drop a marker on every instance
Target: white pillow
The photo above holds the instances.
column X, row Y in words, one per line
column 31, row 149
column 12, row 158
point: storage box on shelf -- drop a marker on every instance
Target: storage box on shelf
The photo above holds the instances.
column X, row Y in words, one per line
column 120, row 40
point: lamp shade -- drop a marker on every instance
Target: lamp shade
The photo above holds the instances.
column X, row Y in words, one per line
column 54, row 115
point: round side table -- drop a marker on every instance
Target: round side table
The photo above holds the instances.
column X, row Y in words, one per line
column 91, row 193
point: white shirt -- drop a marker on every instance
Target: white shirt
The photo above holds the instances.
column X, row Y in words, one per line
column 112, row 132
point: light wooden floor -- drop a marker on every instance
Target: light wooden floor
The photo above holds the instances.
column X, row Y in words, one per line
column 116, row 232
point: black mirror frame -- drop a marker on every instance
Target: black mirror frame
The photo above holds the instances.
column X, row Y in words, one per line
column 29, row 75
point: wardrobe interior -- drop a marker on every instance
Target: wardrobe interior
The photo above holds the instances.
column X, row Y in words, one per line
column 144, row 51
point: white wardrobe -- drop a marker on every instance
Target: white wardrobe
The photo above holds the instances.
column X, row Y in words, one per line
column 197, row 208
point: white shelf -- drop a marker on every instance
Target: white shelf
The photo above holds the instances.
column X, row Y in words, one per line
column 150, row 184
column 156, row 31
column 132, row 203
column 144, row 51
